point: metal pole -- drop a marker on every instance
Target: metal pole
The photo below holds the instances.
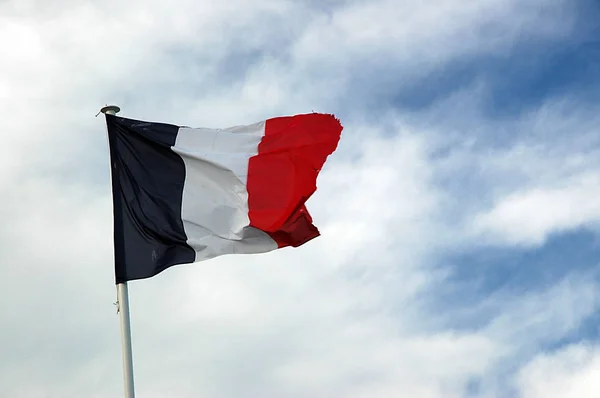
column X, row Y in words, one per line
column 123, row 305
column 123, row 309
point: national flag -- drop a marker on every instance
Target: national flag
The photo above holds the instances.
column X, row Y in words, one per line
column 182, row 195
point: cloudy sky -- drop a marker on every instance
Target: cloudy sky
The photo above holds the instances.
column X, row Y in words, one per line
column 459, row 254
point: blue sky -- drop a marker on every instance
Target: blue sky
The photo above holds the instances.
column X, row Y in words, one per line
column 459, row 248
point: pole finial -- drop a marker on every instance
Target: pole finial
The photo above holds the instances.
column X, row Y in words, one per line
column 110, row 109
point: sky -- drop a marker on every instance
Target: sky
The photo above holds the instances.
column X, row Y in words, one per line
column 459, row 255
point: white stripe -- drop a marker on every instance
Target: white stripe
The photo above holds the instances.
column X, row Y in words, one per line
column 215, row 199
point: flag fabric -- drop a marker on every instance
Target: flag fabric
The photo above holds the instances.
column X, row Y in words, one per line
column 182, row 195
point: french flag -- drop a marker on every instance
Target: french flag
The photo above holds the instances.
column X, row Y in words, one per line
column 182, row 195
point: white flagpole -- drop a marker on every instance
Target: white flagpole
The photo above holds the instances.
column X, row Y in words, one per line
column 123, row 306
column 123, row 309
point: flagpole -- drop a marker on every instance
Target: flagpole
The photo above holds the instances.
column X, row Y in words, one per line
column 123, row 310
column 123, row 307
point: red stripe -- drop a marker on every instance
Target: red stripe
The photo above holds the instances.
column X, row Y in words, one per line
column 283, row 175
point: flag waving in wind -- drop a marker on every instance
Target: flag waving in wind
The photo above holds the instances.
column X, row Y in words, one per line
column 182, row 195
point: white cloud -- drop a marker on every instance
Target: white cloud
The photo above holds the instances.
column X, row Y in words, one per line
column 529, row 217
column 544, row 183
column 571, row 372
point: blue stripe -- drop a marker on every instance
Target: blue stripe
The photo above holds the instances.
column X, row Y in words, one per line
column 147, row 184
